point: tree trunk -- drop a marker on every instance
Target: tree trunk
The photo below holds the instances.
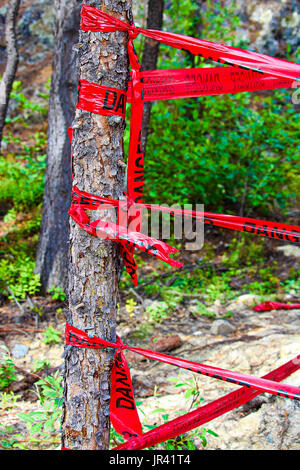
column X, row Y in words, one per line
column 53, row 250
column 95, row 263
column 150, row 55
column 12, row 60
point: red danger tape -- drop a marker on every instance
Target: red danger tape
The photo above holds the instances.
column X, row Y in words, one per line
column 248, row 71
column 130, row 237
column 254, row 72
column 93, row 19
column 189, row 83
column 79, row 338
column 123, row 412
column 290, row 233
column 205, row 413
column 177, row 83
column 173, row 84
column 267, row 306
column 101, row 100
column 116, row 232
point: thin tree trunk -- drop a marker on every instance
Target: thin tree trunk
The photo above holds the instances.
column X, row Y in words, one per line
column 12, row 60
column 95, row 263
column 53, row 250
column 150, row 55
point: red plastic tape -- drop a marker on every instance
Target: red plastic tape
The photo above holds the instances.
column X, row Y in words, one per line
column 82, row 201
column 264, row 228
column 278, row 231
column 93, row 19
column 101, row 100
column 161, row 85
column 205, row 413
column 79, row 338
column 258, row 72
column 123, row 410
column 177, row 83
column 135, row 165
column 189, row 83
column 131, row 237
column 267, row 306
column 118, row 233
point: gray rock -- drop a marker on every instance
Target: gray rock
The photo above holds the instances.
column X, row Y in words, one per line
column 35, row 31
column 19, row 350
column 271, row 25
column 247, row 300
column 222, row 327
column 290, row 250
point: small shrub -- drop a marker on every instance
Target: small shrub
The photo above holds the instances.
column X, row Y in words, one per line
column 7, row 369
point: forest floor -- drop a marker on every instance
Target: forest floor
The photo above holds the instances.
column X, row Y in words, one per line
column 227, row 333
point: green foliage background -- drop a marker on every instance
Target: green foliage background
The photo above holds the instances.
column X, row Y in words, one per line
column 236, row 152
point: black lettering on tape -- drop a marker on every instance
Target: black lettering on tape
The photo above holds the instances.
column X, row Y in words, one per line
column 125, row 403
column 105, row 104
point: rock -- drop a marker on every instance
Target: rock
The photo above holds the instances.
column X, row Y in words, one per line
column 270, row 25
column 166, row 344
column 222, row 327
column 198, row 333
column 247, row 300
column 290, row 250
column 281, row 423
column 19, row 351
column 271, row 424
column 35, row 31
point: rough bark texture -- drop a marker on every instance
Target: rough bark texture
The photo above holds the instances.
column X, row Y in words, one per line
column 53, row 250
column 150, row 55
column 94, row 262
column 12, row 60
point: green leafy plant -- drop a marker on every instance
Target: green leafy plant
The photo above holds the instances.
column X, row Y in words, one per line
column 202, row 310
column 186, row 441
column 26, row 108
column 22, row 180
column 157, row 311
column 43, row 426
column 192, row 390
column 8, row 372
column 19, row 276
column 40, row 364
column 57, row 293
column 51, row 336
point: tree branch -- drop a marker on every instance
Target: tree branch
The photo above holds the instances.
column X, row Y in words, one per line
column 12, row 60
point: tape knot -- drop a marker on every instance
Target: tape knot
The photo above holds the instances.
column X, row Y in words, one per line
column 133, row 31
column 120, row 344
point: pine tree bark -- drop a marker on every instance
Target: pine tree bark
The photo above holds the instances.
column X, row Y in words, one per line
column 150, row 56
column 53, row 251
column 94, row 262
column 12, row 60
